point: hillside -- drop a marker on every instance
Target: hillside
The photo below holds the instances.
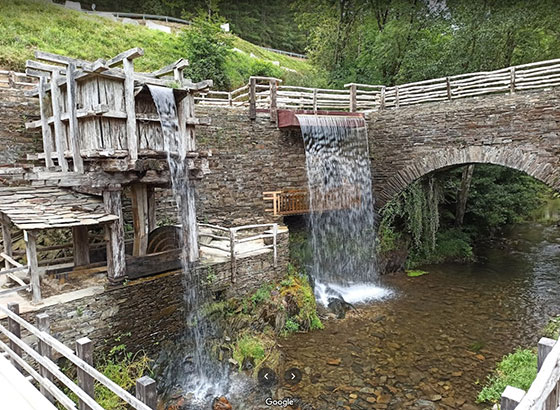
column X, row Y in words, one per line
column 27, row 25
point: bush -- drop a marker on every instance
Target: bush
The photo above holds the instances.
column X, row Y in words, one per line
column 552, row 328
column 291, row 326
column 517, row 369
column 248, row 347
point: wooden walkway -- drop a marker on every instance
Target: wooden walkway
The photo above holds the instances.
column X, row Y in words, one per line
column 17, row 392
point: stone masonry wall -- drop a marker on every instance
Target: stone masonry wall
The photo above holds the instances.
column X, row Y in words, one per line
column 145, row 312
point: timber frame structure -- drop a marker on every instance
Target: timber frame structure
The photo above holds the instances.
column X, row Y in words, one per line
column 101, row 134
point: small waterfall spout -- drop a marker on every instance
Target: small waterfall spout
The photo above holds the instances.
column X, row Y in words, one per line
column 341, row 207
column 199, row 375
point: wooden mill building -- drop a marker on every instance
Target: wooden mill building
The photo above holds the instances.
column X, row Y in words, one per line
column 101, row 134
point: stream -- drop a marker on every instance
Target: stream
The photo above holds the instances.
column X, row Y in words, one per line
column 433, row 343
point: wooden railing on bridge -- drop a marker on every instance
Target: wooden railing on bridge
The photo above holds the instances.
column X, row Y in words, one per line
column 288, row 202
column 544, row 393
column 38, row 363
column 267, row 93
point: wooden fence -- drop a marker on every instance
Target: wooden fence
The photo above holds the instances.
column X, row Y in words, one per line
column 267, row 94
column 544, row 393
column 38, row 363
column 236, row 236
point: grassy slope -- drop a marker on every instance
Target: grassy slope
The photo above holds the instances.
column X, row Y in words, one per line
column 27, row 25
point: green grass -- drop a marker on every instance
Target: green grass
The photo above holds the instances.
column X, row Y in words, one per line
column 552, row 328
column 517, row 369
column 248, row 347
column 27, row 25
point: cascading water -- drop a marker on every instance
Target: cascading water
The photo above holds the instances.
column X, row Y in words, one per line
column 341, row 215
column 201, row 376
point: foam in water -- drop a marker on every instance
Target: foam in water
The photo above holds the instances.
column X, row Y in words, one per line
column 201, row 376
column 341, row 215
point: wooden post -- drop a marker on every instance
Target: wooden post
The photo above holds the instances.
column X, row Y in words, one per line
column 7, row 240
column 315, row 100
column 80, row 249
column 30, row 239
column 84, row 350
column 72, row 111
column 232, row 259
column 59, row 137
column 382, row 98
column 146, row 391
column 14, row 327
column 42, row 321
column 544, row 347
column 45, row 127
column 511, row 398
column 230, row 100
column 274, row 242
column 131, row 136
column 273, row 101
column 353, row 97
column 116, row 261
column 152, row 207
column 140, row 218
column 512, row 80
column 397, row 96
column 448, row 83
column 252, row 98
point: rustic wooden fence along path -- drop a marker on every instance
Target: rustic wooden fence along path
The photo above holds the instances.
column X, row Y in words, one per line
column 37, row 362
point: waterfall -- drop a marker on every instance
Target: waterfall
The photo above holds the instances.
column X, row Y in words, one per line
column 201, row 376
column 341, row 203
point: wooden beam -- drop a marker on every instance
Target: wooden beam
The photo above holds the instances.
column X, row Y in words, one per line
column 152, row 207
column 30, row 239
column 177, row 65
column 116, row 259
column 273, row 102
column 80, row 241
column 353, row 97
column 84, row 350
column 131, row 137
column 511, row 398
column 60, row 138
column 73, row 134
column 59, row 59
column 45, row 128
column 7, row 240
column 252, row 98
column 140, row 219
column 43, row 324
column 125, row 55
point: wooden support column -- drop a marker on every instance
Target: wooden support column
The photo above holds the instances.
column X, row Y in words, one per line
column 131, row 136
column 59, row 135
column 273, row 101
column 43, row 324
column 448, row 84
column 80, row 241
column 397, row 96
column 84, row 350
column 140, row 219
column 152, row 207
column 30, row 238
column 146, row 391
column 72, row 111
column 116, row 262
column 314, row 100
column 7, row 240
column 353, row 97
column 14, row 327
column 252, row 98
column 382, row 98
column 544, row 347
column 512, row 80
column 45, row 127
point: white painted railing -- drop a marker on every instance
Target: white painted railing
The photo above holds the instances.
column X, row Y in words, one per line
column 38, row 363
column 544, row 392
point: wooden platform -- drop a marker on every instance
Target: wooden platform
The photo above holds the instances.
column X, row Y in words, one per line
column 16, row 392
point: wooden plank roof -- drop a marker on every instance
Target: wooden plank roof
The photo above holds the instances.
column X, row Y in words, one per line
column 51, row 207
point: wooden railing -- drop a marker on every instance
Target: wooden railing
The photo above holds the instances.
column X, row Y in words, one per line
column 288, row 202
column 544, row 393
column 266, row 93
column 13, row 79
column 238, row 235
column 38, row 363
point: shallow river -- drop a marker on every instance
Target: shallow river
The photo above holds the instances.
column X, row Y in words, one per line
column 434, row 341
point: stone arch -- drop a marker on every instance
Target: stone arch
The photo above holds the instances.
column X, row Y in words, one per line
column 529, row 161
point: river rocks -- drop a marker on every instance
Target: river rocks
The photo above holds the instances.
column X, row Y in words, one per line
column 221, row 403
column 334, row 362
